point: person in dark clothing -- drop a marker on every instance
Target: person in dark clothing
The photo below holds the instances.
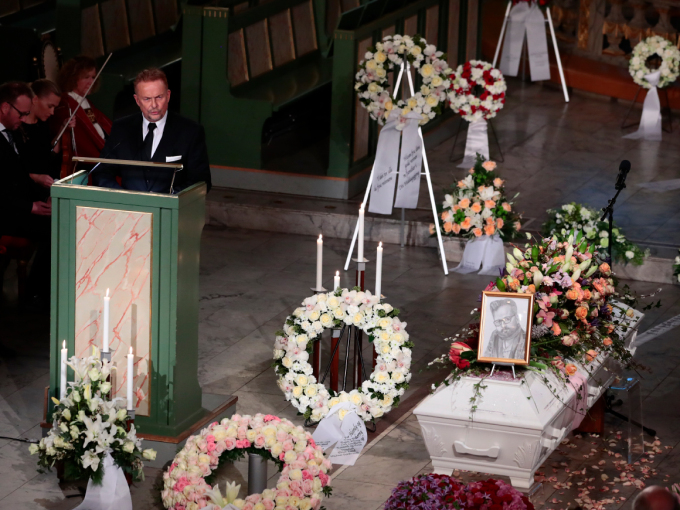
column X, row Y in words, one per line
column 35, row 143
column 25, row 206
column 154, row 135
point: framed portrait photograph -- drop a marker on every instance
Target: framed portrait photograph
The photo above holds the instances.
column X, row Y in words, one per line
column 505, row 327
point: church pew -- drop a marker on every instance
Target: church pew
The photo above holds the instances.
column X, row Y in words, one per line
column 139, row 33
column 241, row 64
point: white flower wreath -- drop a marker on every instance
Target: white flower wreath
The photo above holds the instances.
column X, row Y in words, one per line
column 379, row 321
column 463, row 93
column 670, row 61
column 372, row 84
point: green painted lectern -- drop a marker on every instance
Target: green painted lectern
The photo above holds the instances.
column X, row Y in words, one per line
column 145, row 249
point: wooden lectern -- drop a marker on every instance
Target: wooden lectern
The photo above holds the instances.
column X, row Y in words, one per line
column 144, row 248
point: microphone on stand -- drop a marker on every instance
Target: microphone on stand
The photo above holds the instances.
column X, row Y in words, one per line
column 608, row 211
column 624, row 168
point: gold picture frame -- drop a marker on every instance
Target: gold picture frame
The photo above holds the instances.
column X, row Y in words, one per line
column 488, row 349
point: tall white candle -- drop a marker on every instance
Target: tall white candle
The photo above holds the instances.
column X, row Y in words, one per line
column 130, row 379
column 62, row 380
column 105, row 343
column 319, row 261
column 360, row 255
column 378, row 270
column 336, row 281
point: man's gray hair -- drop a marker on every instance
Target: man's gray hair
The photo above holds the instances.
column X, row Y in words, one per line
column 495, row 305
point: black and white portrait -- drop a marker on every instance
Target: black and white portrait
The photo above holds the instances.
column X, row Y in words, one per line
column 505, row 327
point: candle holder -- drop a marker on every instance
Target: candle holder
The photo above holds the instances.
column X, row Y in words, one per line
column 105, row 356
column 316, row 347
column 361, row 272
column 319, row 290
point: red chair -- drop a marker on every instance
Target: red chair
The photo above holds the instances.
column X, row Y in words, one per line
column 21, row 250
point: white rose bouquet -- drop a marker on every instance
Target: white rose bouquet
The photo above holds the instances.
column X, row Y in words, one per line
column 86, row 425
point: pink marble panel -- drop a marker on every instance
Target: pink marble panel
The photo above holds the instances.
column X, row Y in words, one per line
column 114, row 251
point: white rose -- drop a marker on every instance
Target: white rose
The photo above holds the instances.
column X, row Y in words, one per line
column 287, row 362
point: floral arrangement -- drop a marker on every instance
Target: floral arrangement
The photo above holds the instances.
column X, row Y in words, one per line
column 676, row 267
column 434, row 492
column 573, row 312
column 670, row 61
column 344, row 307
column 465, row 96
column 86, row 426
column 372, row 85
column 303, row 483
column 579, row 217
column 477, row 205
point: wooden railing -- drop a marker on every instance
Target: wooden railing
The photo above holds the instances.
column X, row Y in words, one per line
column 607, row 30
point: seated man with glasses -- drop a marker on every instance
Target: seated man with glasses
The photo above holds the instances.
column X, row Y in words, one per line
column 25, row 207
column 508, row 339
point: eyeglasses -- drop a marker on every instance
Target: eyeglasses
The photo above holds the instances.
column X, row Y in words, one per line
column 21, row 114
column 503, row 322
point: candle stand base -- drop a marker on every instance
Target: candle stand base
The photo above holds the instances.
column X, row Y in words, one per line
column 257, row 473
column 318, row 290
column 131, row 419
column 105, row 356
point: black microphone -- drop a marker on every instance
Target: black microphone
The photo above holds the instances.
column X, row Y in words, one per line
column 624, row 168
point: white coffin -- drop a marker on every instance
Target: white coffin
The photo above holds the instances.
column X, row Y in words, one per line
column 517, row 424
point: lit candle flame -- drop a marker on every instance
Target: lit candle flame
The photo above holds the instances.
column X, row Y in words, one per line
column 320, row 237
column 380, row 245
column 130, row 349
column 64, row 345
column 337, row 273
column 107, row 292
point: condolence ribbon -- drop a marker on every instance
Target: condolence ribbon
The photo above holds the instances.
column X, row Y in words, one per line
column 650, row 122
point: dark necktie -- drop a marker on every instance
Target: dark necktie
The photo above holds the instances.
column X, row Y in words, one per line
column 10, row 138
column 148, row 142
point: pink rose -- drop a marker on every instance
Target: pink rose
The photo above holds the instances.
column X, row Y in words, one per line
column 230, row 443
column 172, row 466
column 254, row 498
column 282, row 493
column 259, row 441
column 288, row 445
column 281, row 436
column 295, row 485
column 268, row 504
column 316, row 503
column 308, row 487
column 324, row 478
column 270, row 417
column 248, row 506
column 242, row 432
column 306, row 475
column 180, row 484
column 299, row 493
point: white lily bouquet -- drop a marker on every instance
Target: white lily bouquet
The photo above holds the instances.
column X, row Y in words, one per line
column 86, row 426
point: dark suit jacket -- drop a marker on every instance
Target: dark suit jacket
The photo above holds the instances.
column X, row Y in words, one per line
column 181, row 137
column 18, row 191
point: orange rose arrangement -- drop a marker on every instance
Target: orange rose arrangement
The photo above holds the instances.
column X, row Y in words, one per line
column 574, row 305
column 477, row 206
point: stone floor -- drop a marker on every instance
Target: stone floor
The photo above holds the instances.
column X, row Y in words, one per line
column 251, row 280
column 554, row 153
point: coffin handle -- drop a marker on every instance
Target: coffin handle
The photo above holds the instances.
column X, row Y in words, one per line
column 492, row 452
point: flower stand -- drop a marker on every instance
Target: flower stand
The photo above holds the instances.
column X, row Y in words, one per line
column 516, row 425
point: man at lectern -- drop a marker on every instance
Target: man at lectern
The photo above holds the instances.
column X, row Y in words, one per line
column 154, row 135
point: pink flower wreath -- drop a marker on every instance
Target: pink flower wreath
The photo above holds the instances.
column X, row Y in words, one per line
column 303, row 482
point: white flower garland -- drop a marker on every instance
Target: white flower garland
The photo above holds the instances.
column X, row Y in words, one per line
column 670, row 61
column 303, row 482
column 372, row 85
column 293, row 347
column 462, row 94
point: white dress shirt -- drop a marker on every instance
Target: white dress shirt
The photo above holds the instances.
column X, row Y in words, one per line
column 85, row 105
column 2, row 130
column 157, row 133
